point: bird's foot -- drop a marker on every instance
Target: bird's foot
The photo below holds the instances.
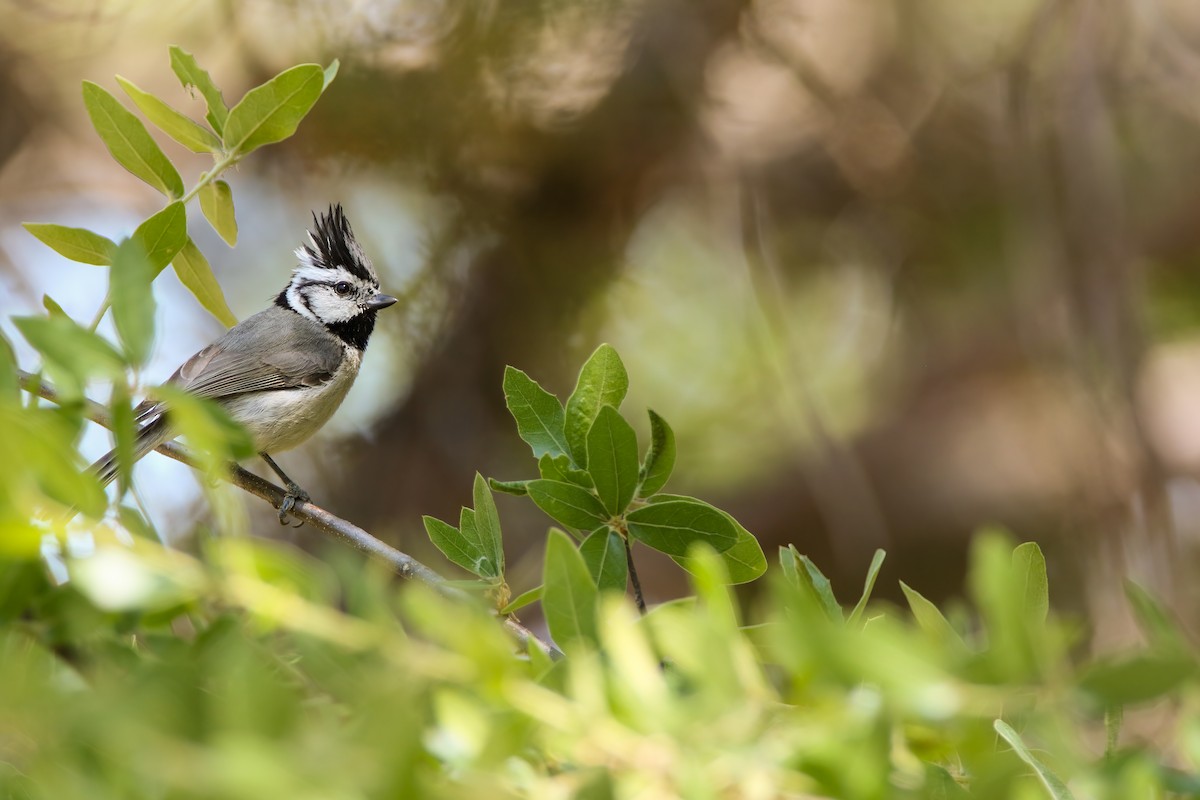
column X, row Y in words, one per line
column 294, row 495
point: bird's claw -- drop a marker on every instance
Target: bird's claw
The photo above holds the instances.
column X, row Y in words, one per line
column 294, row 495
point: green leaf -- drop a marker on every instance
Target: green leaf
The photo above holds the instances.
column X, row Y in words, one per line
column 271, row 112
column 930, row 619
column 604, row 553
column 162, row 236
column 487, row 524
column 184, row 65
column 72, row 354
column 568, row 504
column 10, row 385
column 130, row 289
column 602, row 381
column 208, row 427
column 1054, row 785
column 872, row 573
column 518, row 488
column 52, row 307
column 1137, row 679
column 454, row 545
column 124, row 432
column 195, row 273
column 673, row 526
column 569, row 595
column 940, row 785
column 790, row 565
column 558, row 468
column 538, row 414
column 612, row 457
column 660, row 458
column 330, row 73
column 178, row 126
column 41, row 442
column 744, row 561
column 216, row 201
column 77, row 244
column 819, row 584
column 129, row 142
column 522, row 600
column 1029, row 567
column 1155, row 621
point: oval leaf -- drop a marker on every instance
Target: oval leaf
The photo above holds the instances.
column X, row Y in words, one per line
column 567, row 503
column 270, row 112
column 660, row 458
column 77, row 244
column 129, row 142
column 604, row 553
column 72, row 354
column 178, row 126
column 195, row 273
column 568, row 594
column 612, row 457
column 162, row 236
column 744, row 562
column 602, row 381
column 673, row 526
column 1138, row 679
column 216, row 201
column 130, row 282
column 190, row 74
column 538, row 414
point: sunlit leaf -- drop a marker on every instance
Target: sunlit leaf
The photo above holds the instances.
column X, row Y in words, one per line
column 1139, row 678
column 129, row 142
column 569, row 595
column 77, row 244
column 162, row 236
column 195, row 273
column 72, row 354
column 130, row 290
column 612, row 458
column 744, row 561
column 175, row 124
column 602, row 381
column 1029, row 566
column 271, row 112
column 124, row 432
column 522, row 600
column 1053, row 784
column 487, row 523
column 930, row 619
column 190, row 74
column 872, row 573
column 538, row 414
column 216, row 202
column 660, row 458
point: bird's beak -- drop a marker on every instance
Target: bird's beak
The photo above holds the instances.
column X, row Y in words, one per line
column 380, row 301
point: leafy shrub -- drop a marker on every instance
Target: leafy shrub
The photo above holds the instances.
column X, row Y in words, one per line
column 250, row 669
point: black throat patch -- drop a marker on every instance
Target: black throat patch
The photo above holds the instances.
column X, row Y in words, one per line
column 354, row 331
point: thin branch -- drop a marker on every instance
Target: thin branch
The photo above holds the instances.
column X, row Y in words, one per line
column 633, row 576
column 401, row 563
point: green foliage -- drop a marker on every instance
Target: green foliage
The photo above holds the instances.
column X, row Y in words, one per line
column 250, row 669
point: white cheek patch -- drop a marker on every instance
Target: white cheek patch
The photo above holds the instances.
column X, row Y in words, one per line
column 328, row 307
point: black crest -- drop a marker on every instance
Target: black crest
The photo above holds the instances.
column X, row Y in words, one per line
column 332, row 244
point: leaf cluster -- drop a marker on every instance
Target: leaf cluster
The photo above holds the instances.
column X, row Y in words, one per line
column 593, row 482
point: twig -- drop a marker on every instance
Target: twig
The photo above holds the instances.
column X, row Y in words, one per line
column 401, row 563
column 633, row 577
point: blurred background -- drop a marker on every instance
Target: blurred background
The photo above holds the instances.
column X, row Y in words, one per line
column 893, row 270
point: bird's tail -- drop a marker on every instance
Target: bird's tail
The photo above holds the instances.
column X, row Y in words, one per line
column 148, row 437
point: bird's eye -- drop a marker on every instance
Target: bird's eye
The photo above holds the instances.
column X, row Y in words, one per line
column 342, row 288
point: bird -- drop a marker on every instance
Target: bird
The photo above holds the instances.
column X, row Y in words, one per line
column 282, row 372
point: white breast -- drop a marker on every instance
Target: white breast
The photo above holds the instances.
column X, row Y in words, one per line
column 281, row 419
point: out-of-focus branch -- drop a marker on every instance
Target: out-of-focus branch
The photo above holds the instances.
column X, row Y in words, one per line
column 401, row 563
